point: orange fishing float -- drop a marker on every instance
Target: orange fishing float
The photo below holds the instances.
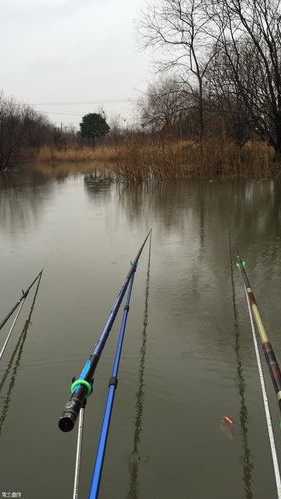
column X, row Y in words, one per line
column 228, row 420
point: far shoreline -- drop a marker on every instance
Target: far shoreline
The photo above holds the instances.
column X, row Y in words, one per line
column 166, row 160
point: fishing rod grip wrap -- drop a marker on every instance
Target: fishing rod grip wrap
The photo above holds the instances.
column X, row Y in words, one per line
column 70, row 413
column 274, row 368
column 82, row 388
column 73, row 405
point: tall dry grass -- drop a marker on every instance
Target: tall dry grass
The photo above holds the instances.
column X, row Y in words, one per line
column 139, row 161
column 213, row 158
column 79, row 154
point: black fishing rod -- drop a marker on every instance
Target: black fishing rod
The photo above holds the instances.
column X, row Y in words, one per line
column 254, row 313
column 22, row 298
column 17, row 353
column 19, row 305
column 82, row 387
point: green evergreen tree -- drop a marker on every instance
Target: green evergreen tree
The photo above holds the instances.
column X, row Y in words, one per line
column 93, row 126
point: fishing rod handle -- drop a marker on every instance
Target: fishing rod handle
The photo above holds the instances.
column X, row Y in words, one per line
column 274, row 369
column 79, row 395
column 271, row 360
column 73, row 405
column 72, row 408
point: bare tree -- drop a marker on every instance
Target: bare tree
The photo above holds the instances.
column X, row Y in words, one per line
column 11, row 130
column 164, row 105
column 23, row 130
column 37, row 129
column 226, row 105
column 183, row 29
column 250, row 45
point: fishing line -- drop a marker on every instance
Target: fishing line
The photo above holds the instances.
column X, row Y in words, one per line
column 82, row 387
column 17, row 351
column 272, row 363
column 112, row 386
column 19, row 304
column 12, row 328
column 265, row 403
column 269, row 354
column 78, row 451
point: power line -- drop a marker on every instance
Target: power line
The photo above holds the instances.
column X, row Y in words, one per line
column 62, row 114
column 84, row 103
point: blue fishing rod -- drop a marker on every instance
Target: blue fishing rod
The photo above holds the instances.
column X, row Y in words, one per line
column 97, row 473
column 82, row 387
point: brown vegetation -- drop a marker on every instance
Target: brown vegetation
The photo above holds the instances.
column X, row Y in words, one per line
column 79, row 154
column 23, row 131
column 224, row 57
column 141, row 161
column 213, row 158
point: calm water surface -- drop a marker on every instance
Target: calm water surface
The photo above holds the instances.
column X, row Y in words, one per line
column 185, row 364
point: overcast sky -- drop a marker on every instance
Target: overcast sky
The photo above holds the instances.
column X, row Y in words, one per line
column 70, row 57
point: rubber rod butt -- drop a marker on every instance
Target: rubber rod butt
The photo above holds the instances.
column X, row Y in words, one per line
column 67, row 421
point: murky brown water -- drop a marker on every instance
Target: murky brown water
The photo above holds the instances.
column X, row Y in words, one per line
column 179, row 375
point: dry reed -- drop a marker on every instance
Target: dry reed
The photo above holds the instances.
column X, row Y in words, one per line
column 139, row 161
column 79, row 154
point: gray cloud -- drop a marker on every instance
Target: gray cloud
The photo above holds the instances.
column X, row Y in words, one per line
column 72, row 51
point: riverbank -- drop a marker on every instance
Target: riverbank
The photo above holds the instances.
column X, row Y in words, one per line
column 138, row 161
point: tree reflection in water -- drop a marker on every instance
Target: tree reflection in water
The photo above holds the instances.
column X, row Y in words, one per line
column 135, row 455
column 98, row 187
column 247, row 458
column 23, row 196
column 253, row 206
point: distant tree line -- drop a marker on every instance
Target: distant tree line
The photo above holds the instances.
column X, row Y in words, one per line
column 223, row 59
column 23, row 131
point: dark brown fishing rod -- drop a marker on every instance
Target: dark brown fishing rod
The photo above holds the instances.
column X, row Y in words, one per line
column 254, row 313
